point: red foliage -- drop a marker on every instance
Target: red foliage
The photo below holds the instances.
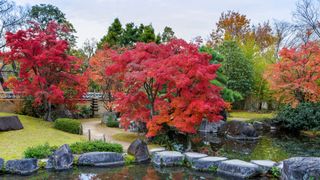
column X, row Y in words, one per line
column 296, row 77
column 47, row 72
column 167, row 84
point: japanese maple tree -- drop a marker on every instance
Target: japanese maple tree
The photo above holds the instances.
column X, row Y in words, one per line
column 295, row 78
column 167, row 85
column 97, row 72
column 47, row 72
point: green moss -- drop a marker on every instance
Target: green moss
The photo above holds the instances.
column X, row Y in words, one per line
column 42, row 164
column 213, row 169
column 275, row 172
column 129, row 159
column 36, row 131
column 76, row 160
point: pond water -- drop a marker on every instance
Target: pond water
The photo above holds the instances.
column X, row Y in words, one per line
column 275, row 146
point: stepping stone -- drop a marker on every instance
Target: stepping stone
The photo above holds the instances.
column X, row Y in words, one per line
column 192, row 156
column 22, row 167
column 153, row 151
column 105, row 159
column 301, row 168
column 264, row 165
column 238, row 168
column 168, row 158
column 207, row 163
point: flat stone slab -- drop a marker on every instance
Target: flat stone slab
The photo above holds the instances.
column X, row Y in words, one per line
column 301, row 168
column 106, row 159
column 264, row 165
column 238, row 168
column 207, row 163
column 192, row 156
column 22, row 167
column 154, row 150
column 168, row 158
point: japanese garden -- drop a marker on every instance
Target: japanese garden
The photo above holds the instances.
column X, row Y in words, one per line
column 142, row 101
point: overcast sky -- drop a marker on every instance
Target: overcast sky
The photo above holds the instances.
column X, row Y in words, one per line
column 188, row 18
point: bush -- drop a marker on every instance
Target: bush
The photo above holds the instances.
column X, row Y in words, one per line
column 129, row 159
column 112, row 124
column 68, row 125
column 95, row 146
column 306, row 116
column 40, row 151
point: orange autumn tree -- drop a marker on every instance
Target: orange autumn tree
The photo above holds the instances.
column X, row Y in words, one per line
column 108, row 84
column 295, row 78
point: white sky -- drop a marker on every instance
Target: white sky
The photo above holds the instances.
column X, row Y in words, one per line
column 188, row 18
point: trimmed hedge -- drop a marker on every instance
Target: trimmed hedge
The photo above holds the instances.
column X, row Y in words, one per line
column 113, row 124
column 95, row 146
column 68, row 125
column 40, row 151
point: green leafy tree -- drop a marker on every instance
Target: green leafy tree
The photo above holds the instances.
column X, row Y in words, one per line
column 43, row 14
column 148, row 34
column 130, row 35
column 114, row 35
column 237, row 69
column 167, row 34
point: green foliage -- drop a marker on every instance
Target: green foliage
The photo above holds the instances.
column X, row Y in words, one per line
column 111, row 123
column 85, row 111
column 68, row 125
column 29, row 109
column 42, row 164
column 129, row 159
column 213, row 168
column 95, row 146
column 40, row 151
column 306, row 116
column 275, row 172
column 237, row 69
column 148, row 34
column 113, row 36
column 167, row 34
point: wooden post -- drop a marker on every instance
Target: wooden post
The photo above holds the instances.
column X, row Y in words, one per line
column 89, row 134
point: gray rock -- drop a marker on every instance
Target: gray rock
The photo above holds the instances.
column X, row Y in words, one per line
column 301, row 168
column 106, row 159
column 168, row 158
column 258, row 125
column 207, row 163
column 1, row 164
column 210, row 127
column 239, row 130
column 238, row 168
column 139, row 150
column 22, row 167
column 8, row 123
column 154, row 150
column 61, row 159
column 264, row 165
column 280, row 165
column 192, row 156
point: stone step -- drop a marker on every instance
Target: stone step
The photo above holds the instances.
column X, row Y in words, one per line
column 105, row 159
column 22, row 166
column 207, row 163
column 168, row 158
column 264, row 165
column 238, row 168
column 192, row 156
column 154, row 150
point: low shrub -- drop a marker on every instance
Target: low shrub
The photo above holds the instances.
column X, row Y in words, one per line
column 95, row 146
column 129, row 159
column 112, row 124
column 306, row 116
column 68, row 125
column 40, row 151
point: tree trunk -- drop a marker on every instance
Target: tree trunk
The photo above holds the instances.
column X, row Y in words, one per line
column 48, row 114
column 189, row 145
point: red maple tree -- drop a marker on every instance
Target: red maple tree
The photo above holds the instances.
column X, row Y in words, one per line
column 47, row 72
column 167, row 85
column 295, row 78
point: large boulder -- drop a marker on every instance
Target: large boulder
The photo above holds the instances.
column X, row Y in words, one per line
column 238, row 168
column 139, row 150
column 210, row 127
column 8, row 123
column 207, row 163
column 239, row 130
column 264, row 165
column 168, row 158
column 61, row 159
column 106, row 159
column 301, row 168
column 22, row 167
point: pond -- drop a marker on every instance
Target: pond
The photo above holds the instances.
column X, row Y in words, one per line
column 274, row 146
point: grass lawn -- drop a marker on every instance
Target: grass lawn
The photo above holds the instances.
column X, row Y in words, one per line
column 36, row 131
column 244, row 115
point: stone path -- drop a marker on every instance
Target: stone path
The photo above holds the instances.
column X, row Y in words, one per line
column 98, row 130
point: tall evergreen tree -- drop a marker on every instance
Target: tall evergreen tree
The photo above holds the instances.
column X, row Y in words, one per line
column 148, row 34
column 113, row 36
column 167, row 34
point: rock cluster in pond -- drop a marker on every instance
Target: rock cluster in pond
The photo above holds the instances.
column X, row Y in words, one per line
column 238, row 168
column 168, row 158
column 61, row 159
column 105, row 159
column 139, row 150
column 22, row 167
column 301, row 168
column 8, row 123
column 239, row 130
column 210, row 127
